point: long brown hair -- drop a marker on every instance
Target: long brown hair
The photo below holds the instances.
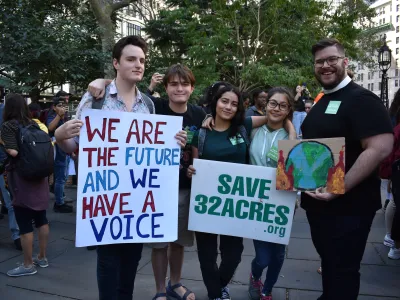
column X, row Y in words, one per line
column 15, row 108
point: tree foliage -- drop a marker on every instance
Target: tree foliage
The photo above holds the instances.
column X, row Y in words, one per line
column 254, row 43
column 44, row 43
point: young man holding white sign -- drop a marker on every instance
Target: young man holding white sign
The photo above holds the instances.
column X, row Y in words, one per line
column 117, row 263
column 179, row 84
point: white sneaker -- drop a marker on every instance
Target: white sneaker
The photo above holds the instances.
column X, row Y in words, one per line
column 387, row 241
column 394, row 253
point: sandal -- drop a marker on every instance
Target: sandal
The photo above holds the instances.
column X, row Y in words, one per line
column 160, row 295
column 171, row 293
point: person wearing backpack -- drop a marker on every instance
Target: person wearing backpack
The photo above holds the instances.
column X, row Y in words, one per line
column 27, row 175
column 55, row 119
column 228, row 141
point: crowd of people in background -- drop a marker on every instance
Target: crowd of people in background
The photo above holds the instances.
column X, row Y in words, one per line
column 230, row 126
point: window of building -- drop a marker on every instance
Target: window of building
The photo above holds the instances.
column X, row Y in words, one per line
column 380, row 86
column 372, row 75
column 131, row 28
column 358, row 77
column 396, row 83
column 397, row 28
column 397, row 50
column 372, row 86
column 369, row 76
column 397, row 7
column 138, row 30
column 397, row 19
column 383, row 21
column 369, row 86
column 362, row 77
column 396, row 72
column 397, row 40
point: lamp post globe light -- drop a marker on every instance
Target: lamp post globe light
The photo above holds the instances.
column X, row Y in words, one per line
column 384, row 61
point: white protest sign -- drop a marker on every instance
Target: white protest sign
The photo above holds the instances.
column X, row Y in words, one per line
column 240, row 200
column 128, row 178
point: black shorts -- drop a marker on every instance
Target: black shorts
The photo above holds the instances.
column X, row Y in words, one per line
column 25, row 216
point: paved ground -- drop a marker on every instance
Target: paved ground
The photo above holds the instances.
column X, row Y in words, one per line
column 71, row 274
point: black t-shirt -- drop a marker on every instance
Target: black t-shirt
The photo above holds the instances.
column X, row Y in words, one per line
column 192, row 119
column 299, row 105
column 360, row 115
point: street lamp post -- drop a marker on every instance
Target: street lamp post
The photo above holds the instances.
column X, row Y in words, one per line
column 384, row 61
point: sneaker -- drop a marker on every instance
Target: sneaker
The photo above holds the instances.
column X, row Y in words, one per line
column 225, row 293
column 255, row 288
column 17, row 244
column 387, row 241
column 394, row 253
column 63, row 208
column 266, row 297
column 43, row 263
column 22, row 271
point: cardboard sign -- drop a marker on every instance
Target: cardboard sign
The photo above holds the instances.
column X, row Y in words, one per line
column 128, row 178
column 308, row 165
column 240, row 200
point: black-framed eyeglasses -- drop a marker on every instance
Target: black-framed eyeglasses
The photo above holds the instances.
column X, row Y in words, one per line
column 282, row 106
column 331, row 61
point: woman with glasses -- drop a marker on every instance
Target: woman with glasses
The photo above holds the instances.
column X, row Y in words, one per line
column 224, row 142
column 264, row 152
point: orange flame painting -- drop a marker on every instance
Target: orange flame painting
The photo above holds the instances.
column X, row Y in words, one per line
column 308, row 165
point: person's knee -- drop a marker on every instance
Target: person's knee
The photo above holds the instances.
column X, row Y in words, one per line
column 176, row 247
column 261, row 262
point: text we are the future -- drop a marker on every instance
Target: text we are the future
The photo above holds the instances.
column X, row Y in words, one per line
column 123, row 168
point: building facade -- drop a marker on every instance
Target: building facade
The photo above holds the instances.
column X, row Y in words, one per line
column 386, row 23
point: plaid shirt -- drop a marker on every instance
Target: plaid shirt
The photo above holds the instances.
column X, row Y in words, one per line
column 112, row 102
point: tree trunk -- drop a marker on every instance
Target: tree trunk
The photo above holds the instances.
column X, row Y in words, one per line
column 103, row 11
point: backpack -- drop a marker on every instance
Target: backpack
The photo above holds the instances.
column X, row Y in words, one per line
column 202, row 137
column 35, row 158
column 98, row 104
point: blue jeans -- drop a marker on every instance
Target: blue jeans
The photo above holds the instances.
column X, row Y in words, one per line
column 60, row 177
column 269, row 255
column 12, row 222
column 116, row 270
column 298, row 118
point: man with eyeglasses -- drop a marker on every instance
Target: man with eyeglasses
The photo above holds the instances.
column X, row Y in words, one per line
column 340, row 224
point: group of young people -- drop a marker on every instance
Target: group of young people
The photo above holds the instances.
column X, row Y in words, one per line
column 339, row 224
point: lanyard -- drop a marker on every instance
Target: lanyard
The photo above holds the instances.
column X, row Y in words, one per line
column 272, row 143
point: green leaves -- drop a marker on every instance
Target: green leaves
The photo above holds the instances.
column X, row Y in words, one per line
column 253, row 43
column 46, row 43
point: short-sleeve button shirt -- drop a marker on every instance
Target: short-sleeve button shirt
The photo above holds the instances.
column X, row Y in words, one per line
column 112, row 102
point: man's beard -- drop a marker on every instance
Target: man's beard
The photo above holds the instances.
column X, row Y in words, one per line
column 339, row 78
